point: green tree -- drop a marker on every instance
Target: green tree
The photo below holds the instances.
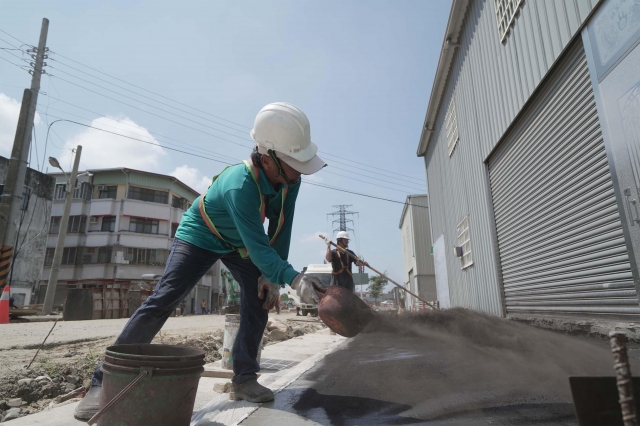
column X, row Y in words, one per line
column 284, row 297
column 376, row 286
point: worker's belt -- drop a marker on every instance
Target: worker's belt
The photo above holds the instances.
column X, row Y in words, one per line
column 341, row 270
column 255, row 174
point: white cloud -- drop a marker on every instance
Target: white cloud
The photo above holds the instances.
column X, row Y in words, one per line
column 312, row 238
column 102, row 150
column 9, row 113
column 192, row 177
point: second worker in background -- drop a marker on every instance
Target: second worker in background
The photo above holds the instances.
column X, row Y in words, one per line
column 341, row 262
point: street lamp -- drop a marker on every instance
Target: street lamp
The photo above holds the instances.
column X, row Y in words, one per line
column 57, row 254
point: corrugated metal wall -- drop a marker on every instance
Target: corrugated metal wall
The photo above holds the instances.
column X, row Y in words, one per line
column 562, row 250
column 422, row 235
column 491, row 81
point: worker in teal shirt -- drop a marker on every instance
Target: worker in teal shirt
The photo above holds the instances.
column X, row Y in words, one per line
column 226, row 224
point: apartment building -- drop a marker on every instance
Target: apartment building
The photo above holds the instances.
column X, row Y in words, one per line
column 121, row 227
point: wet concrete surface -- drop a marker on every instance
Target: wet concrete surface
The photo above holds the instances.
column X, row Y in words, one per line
column 448, row 368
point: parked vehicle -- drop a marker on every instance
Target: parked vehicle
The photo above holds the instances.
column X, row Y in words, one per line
column 320, row 274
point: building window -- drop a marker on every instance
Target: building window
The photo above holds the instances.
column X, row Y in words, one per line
column 69, row 256
column 143, row 226
column 143, row 256
column 54, row 227
column 451, row 126
column 61, row 191
column 463, row 248
column 506, row 11
column 26, row 195
column 149, row 195
column 174, row 229
column 88, row 255
column 104, row 254
column 77, row 224
column 179, row 203
column 83, row 192
column 108, row 224
column 108, row 191
column 48, row 256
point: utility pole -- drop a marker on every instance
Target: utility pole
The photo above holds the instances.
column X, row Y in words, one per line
column 342, row 217
column 64, row 224
column 11, row 199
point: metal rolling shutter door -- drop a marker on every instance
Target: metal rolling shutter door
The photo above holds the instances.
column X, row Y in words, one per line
column 560, row 240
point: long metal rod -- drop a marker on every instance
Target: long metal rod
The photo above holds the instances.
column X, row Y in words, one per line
column 42, row 344
column 623, row 378
column 357, row 259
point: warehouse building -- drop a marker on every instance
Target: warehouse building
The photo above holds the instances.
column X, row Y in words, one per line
column 531, row 144
column 419, row 275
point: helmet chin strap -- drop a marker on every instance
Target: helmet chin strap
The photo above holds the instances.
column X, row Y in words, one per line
column 279, row 170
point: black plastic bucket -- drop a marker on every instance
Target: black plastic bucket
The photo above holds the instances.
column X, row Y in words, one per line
column 165, row 396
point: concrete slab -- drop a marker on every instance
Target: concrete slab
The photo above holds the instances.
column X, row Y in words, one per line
column 308, row 350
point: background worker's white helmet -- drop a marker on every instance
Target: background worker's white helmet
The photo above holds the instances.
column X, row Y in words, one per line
column 285, row 129
column 342, row 235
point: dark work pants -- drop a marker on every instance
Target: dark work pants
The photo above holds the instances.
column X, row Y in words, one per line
column 185, row 266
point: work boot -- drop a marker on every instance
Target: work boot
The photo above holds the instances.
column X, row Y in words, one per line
column 89, row 405
column 251, row 391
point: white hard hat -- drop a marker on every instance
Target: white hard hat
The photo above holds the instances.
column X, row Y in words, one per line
column 342, row 235
column 284, row 128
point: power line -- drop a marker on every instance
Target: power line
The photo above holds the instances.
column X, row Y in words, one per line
column 130, row 125
column 142, row 88
column 139, row 94
column 376, row 170
column 219, row 161
column 144, row 103
column 196, row 147
column 136, row 139
column 182, row 110
column 1, row 30
column 371, row 183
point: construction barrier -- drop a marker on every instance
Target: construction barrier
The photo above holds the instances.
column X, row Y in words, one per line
column 4, row 306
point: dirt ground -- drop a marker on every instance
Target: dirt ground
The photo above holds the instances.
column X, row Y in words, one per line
column 63, row 367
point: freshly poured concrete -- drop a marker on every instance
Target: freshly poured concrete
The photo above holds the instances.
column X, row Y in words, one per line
column 447, row 368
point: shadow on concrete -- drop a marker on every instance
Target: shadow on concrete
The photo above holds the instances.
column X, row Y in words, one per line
column 350, row 410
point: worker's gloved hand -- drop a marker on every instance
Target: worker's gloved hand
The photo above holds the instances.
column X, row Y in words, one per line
column 269, row 292
column 296, row 281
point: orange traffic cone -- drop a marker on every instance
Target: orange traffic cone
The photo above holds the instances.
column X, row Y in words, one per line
column 4, row 306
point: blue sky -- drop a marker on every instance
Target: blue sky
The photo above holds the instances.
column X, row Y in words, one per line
column 361, row 70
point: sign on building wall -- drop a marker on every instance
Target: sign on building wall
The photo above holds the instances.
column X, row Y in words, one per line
column 611, row 41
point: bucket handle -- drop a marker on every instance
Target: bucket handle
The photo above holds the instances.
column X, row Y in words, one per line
column 144, row 371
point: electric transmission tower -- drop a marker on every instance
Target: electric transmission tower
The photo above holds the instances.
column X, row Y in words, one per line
column 342, row 217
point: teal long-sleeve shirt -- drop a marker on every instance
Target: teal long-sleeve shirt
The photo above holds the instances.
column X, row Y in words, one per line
column 233, row 204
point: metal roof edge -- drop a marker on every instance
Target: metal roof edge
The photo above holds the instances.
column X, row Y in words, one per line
column 406, row 205
column 450, row 42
